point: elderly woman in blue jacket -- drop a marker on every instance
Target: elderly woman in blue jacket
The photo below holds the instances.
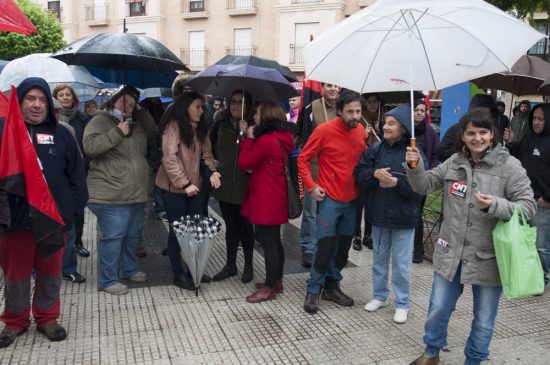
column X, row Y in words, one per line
column 392, row 209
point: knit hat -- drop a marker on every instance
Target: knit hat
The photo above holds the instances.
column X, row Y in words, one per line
column 403, row 115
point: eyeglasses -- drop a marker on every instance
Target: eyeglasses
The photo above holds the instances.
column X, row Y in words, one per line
column 236, row 102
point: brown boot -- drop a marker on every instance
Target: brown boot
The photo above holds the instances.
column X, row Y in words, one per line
column 262, row 295
column 426, row 360
column 54, row 331
column 278, row 286
column 8, row 335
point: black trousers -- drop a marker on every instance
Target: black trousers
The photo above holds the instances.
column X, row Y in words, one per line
column 360, row 214
column 237, row 229
column 274, row 254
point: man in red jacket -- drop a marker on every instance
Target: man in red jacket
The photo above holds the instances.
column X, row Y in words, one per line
column 338, row 144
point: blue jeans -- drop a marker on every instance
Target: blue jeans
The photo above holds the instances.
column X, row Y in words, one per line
column 159, row 204
column 177, row 206
column 307, row 227
column 121, row 227
column 69, row 256
column 443, row 303
column 334, row 231
column 399, row 244
column 541, row 220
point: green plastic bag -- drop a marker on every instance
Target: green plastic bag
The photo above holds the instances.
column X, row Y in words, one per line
column 517, row 258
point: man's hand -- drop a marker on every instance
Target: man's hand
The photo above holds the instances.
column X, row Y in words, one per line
column 318, row 193
column 191, row 190
column 483, row 201
column 387, row 184
column 508, row 135
column 215, row 180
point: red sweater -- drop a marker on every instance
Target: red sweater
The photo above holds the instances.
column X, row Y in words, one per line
column 338, row 149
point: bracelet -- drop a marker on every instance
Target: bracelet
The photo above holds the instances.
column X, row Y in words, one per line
column 187, row 185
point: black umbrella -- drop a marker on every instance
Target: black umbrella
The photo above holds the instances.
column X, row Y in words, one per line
column 258, row 62
column 124, row 58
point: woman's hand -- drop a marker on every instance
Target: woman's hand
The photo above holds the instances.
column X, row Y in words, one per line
column 191, row 190
column 215, row 180
column 368, row 130
column 483, row 201
column 124, row 127
column 383, row 174
column 250, row 131
column 412, row 155
column 542, row 203
column 387, row 184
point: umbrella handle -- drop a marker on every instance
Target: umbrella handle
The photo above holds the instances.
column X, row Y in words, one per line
column 412, row 164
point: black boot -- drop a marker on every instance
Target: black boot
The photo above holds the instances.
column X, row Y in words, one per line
column 225, row 273
column 248, row 274
column 356, row 244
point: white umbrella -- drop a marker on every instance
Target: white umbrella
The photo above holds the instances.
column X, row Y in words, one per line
column 50, row 69
column 397, row 45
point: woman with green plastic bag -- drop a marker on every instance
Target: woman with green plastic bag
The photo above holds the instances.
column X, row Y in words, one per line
column 481, row 184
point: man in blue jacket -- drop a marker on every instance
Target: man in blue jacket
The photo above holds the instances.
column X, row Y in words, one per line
column 20, row 253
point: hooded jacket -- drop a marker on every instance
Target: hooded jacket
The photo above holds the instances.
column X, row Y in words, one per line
column 223, row 137
column 520, row 123
column 397, row 207
column 61, row 161
column 266, row 198
column 337, row 149
column 465, row 237
column 534, row 153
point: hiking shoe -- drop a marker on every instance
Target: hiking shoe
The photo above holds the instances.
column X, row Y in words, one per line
column 117, row 289
column 75, row 278
column 375, row 304
column 138, row 277
column 311, row 304
column 425, row 360
column 367, row 241
column 8, row 335
column 54, row 331
column 337, row 296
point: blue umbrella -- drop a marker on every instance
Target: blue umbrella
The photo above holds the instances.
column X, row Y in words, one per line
column 262, row 83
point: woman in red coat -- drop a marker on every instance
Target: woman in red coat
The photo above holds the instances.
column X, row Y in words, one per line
column 265, row 204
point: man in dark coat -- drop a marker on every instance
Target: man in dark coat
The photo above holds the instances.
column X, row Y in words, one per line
column 534, row 153
column 20, row 253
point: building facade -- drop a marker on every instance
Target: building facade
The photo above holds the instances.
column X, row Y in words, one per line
column 202, row 32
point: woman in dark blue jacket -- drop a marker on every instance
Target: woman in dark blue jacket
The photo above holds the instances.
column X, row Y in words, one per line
column 392, row 209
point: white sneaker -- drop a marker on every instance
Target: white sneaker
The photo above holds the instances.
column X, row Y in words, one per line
column 400, row 315
column 375, row 304
column 138, row 277
column 116, row 289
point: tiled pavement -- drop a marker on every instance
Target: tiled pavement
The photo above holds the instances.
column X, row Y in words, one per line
column 158, row 323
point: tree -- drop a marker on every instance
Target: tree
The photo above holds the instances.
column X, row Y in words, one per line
column 523, row 8
column 49, row 38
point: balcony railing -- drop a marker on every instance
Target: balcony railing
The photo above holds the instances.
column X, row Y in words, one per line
column 195, row 57
column 306, row 1
column 242, row 51
column 241, row 4
column 96, row 12
column 296, row 54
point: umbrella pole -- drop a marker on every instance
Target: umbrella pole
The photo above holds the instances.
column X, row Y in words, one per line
column 412, row 164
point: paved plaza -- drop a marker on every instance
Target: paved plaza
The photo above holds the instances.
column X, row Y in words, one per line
column 158, row 323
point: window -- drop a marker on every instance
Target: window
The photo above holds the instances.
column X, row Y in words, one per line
column 137, row 8
column 243, row 4
column 540, row 48
column 197, row 52
column 303, row 34
column 243, row 42
column 196, row 6
column 55, row 7
column 99, row 9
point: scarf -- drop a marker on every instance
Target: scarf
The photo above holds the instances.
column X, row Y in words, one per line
column 66, row 115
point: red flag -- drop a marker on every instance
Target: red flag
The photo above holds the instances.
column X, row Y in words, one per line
column 12, row 19
column 21, row 174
